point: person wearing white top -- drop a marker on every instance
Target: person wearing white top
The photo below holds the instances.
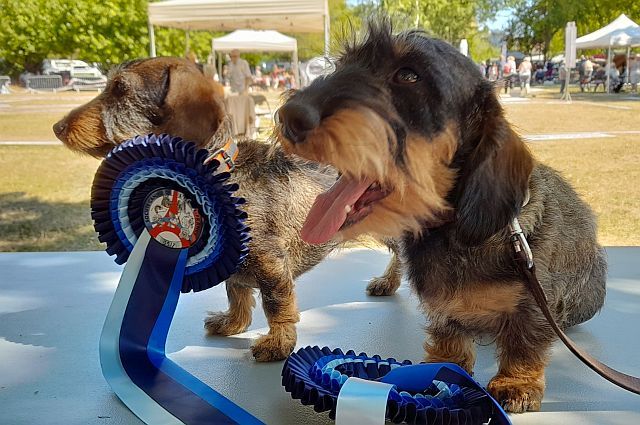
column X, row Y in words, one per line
column 524, row 74
column 239, row 73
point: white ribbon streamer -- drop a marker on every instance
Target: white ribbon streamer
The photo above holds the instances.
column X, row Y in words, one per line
column 362, row 402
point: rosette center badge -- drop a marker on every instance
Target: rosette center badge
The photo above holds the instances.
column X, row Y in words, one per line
column 171, row 219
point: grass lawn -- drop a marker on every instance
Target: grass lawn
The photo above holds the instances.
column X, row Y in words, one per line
column 44, row 190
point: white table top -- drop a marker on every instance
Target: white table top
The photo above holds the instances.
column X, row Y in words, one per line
column 52, row 307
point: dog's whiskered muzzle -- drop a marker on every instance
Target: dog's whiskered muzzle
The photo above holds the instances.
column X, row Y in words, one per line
column 298, row 119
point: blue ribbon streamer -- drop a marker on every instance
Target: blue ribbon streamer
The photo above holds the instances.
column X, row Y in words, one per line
column 132, row 345
column 415, row 378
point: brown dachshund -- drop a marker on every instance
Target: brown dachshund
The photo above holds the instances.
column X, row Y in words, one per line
column 170, row 95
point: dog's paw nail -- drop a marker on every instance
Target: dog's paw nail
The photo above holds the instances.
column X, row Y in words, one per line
column 221, row 324
column 516, row 397
column 379, row 286
column 270, row 349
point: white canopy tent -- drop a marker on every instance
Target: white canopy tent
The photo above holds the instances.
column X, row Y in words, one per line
column 294, row 16
column 258, row 41
column 622, row 32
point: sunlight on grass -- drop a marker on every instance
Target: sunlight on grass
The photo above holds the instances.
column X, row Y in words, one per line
column 45, row 190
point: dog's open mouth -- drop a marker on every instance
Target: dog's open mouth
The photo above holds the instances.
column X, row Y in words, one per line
column 346, row 203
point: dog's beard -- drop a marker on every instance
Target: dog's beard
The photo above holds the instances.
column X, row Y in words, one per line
column 374, row 195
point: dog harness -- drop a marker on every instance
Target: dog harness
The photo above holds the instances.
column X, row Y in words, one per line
column 226, row 155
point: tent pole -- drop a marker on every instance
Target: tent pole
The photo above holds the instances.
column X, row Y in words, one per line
column 152, row 40
column 326, row 28
column 627, row 67
column 608, row 66
column 296, row 69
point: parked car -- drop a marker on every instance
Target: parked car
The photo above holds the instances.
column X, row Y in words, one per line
column 71, row 67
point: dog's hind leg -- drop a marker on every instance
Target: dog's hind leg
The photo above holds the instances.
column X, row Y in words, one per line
column 238, row 318
column 279, row 304
column 586, row 299
column 389, row 282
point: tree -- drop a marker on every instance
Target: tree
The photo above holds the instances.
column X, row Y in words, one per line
column 108, row 32
column 26, row 37
column 539, row 24
column 449, row 20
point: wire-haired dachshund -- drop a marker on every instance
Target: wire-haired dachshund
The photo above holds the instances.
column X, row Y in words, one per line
column 170, row 95
column 426, row 155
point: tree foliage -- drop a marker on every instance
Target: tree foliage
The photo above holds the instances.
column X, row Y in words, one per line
column 451, row 20
column 107, row 32
column 112, row 31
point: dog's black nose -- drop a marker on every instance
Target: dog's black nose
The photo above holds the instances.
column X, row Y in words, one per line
column 298, row 119
column 59, row 129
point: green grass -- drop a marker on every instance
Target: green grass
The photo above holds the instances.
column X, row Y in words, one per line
column 26, row 126
column 44, row 199
column 45, row 190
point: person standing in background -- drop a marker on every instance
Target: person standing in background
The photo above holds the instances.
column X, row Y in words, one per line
column 634, row 72
column 239, row 73
column 524, row 74
column 562, row 76
column 585, row 79
column 508, row 73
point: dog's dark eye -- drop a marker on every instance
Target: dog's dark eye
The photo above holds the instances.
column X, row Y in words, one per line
column 406, row 76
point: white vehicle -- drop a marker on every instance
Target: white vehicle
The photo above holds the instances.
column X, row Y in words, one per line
column 75, row 68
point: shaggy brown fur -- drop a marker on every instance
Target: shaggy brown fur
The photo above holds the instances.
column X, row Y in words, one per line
column 169, row 95
column 416, row 118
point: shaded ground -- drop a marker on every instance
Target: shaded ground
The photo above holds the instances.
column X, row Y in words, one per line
column 44, row 190
column 44, row 199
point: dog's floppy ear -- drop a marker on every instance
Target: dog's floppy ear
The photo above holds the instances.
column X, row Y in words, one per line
column 161, row 88
column 156, row 91
column 494, row 181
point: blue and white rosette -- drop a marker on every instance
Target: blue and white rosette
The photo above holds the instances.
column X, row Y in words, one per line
column 368, row 390
column 175, row 223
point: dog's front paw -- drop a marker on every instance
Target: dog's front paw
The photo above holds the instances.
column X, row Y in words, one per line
column 274, row 346
column 222, row 323
column 382, row 286
column 516, row 395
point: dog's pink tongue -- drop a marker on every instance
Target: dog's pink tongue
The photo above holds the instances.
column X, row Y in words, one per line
column 328, row 212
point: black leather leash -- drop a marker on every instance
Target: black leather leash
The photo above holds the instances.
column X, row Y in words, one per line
column 524, row 259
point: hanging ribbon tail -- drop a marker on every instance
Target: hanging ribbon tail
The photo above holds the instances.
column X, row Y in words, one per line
column 416, row 378
column 175, row 223
column 132, row 345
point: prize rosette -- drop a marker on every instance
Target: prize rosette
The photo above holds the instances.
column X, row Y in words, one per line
column 426, row 393
column 161, row 184
column 175, row 223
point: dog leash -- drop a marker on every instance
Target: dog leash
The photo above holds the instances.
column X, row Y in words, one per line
column 524, row 259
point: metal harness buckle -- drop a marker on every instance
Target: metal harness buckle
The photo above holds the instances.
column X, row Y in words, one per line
column 225, row 158
column 520, row 242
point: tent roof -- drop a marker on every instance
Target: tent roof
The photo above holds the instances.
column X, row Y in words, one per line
column 621, row 32
column 229, row 15
column 255, row 41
